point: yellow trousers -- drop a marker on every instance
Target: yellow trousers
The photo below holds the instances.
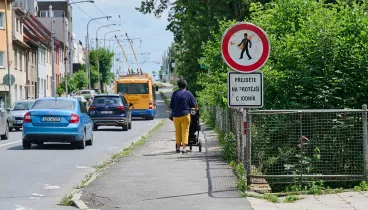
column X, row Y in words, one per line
column 182, row 129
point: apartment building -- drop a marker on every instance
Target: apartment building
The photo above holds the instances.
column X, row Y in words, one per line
column 61, row 12
column 4, row 90
column 20, row 50
column 39, row 58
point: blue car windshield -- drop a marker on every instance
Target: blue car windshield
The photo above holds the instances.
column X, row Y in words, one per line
column 54, row 104
column 22, row 105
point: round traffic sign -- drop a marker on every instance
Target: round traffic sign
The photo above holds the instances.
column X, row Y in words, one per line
column 245, row 47
column 6, row 79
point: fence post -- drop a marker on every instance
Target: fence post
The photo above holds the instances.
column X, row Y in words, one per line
column 248, row 148
column 238, row 138
column 244, row 133
column 365, row 141
column 240, row 115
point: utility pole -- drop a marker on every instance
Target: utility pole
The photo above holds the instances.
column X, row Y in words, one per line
column 7, row 52
column 53, row 88
column 71, row 44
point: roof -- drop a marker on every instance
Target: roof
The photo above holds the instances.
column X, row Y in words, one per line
column 25, row 100
column 57, row 98
column 107, row 95
column 35, row 31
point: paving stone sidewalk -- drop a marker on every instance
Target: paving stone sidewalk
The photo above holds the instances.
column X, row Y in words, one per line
column 346, row 200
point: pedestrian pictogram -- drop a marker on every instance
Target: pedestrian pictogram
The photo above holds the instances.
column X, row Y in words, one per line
column 245, row 47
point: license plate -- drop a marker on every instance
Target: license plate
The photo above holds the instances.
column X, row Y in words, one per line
column 51, row 119
column 18, row 122
column 106, row 112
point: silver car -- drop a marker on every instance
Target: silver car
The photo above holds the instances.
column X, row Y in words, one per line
column 4, row 125
column 17, row 112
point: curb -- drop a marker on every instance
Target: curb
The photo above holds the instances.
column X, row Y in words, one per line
column 77, row 193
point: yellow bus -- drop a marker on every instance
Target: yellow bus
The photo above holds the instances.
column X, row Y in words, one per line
column 139, row 90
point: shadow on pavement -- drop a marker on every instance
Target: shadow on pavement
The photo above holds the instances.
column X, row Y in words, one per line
column 220, row 176
column 47, row 147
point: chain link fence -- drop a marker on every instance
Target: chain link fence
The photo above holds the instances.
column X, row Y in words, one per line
column 228, row 122
column 305, row 145
column 289, row 146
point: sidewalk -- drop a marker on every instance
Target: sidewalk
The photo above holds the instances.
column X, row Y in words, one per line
column 346, row 201
column 156, row 177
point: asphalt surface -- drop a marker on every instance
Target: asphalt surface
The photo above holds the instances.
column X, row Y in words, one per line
column 155, row 177
column 39, row 178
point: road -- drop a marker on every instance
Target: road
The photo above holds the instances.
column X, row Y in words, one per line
column 40, row 177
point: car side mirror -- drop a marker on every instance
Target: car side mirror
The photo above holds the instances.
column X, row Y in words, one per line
column 130, row 104
column 156, row 88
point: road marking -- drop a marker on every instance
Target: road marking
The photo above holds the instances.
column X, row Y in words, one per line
column 19, row 207
column 35, row 198
column 50, row 187
column 14, row 142
column 35, row 194
column 81, row 167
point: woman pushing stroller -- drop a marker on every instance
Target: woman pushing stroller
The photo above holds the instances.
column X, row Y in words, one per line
column 182, row 101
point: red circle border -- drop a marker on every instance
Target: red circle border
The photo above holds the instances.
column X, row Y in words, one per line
column 225, row 51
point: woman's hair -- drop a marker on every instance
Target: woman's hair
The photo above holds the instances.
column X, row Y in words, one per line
column 182, row 83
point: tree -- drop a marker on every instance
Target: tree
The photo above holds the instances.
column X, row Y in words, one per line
column 80, row 79
column 71, row 85
column 105, row 58
column 323, row 66
column 191, row 23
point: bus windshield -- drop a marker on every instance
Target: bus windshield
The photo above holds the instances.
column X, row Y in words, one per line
column 139, row 88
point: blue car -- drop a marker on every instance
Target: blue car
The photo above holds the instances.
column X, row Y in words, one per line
column 57, row 120
column 111, row 110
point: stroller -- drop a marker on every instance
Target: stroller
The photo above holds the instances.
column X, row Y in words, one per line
column 194, row 129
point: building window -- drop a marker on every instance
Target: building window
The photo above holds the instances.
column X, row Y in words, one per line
column 20, row 61
column 58, row 13
column 15, row 59
column 21, row 92
column 16, row 92
column 2, row 59
column 2, row 20
column 44, row 13
column 17, row 24
column 47, row 81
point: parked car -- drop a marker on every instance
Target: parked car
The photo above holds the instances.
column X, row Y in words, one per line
column 57, row 120
column 82, row 99
column 4, row 125
column 97, row 91
column 111, row 110
column 17, row 112
column 88, row 94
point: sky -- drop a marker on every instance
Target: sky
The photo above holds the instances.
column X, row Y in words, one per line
column 152, row 40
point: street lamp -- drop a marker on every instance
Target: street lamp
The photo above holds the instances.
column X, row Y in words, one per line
column 71, row 38
column 70, row 46
column 97, row 60
column 105, row 26
column 87, row 42
column 113, row 38
column 105, row 36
